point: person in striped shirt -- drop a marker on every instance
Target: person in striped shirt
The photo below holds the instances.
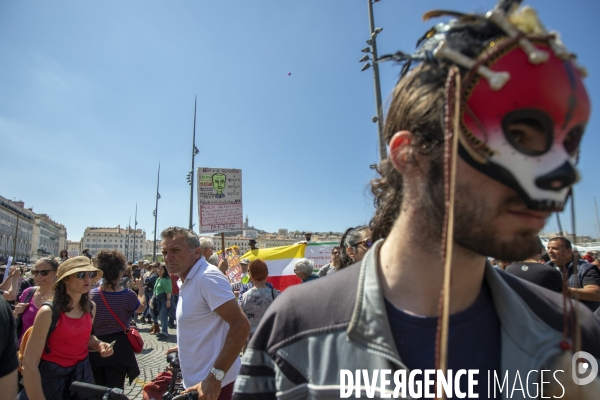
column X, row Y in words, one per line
column 111, row 371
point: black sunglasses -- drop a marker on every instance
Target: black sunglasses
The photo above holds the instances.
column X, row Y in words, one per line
column 335, row 252
column 82, row 274
column 43, row 272
column 366, row 242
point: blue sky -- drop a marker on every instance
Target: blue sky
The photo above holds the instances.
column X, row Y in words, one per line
column 94, row 94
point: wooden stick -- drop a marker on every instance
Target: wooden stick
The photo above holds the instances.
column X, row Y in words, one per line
column 443, row 362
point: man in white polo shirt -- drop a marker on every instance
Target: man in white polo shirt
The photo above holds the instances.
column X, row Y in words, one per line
column 211, row 327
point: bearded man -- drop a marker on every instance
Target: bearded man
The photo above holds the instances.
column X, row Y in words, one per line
column 515, row 98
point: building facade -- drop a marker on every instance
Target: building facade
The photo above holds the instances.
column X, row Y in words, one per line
column 16, row 222
column 149, row 248
column 129, row 242
column 273, row 241
column 282, row 232
column 241, row 242
column 49, row 237
column 74, row 248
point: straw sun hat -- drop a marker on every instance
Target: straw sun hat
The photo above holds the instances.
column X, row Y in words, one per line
column 75, row 265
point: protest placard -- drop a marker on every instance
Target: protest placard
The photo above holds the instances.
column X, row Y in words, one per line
column 7, row 270
column 220, row 200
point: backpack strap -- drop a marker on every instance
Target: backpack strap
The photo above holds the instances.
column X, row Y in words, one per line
column 30, row 294
column 55, row 317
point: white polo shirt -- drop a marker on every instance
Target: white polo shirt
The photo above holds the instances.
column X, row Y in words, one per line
column 200, row 331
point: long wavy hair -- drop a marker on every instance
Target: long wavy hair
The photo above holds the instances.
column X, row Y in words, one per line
column 417, row 106
column 349, row 239
column 64, row 303
column 166, row 271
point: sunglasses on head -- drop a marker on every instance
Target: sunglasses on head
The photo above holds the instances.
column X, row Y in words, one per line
column 43, row 272
column 366, row 242
column 82, row 274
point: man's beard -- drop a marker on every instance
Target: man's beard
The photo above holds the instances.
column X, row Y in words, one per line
column 474, row 227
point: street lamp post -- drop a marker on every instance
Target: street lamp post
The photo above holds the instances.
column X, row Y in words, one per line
column 372, row 42
column 127, row 239
column 191, row 173
column 156, row 214
column 16, row 238
column 134, row 230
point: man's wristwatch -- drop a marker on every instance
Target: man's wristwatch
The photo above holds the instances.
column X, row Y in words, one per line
column 219, row 374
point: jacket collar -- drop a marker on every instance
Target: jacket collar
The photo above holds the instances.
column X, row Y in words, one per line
column 370, row 326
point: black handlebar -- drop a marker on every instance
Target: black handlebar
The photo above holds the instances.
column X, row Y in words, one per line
column 193, row 395
column 89, row 389
column 173, row 359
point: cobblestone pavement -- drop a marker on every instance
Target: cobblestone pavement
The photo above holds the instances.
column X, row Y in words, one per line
column 151, row 361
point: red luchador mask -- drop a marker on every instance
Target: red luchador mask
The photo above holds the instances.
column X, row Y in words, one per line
column 523, row 105
column 526, row 134
column 522, row 117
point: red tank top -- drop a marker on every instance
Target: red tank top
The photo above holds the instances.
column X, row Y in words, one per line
column 68, row 343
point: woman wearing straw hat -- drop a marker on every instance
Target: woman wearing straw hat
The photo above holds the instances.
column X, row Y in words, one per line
column 52, row 362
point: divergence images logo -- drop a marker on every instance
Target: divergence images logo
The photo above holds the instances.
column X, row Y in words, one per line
column 584, row 368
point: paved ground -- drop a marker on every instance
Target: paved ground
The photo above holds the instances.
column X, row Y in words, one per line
column 151, row 361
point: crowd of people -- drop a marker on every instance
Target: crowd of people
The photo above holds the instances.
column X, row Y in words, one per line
column 71, row 314
column 66, row 300
column 108, row 294
column 482, row 150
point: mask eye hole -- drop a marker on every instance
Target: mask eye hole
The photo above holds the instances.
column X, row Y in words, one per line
column 528, row 131
column 572, row 139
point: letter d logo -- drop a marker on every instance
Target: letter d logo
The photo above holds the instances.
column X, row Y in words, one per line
column 579, row 370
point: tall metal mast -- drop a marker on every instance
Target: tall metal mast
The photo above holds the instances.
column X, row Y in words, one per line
column 156, row 214
column 134, row 231
column 127, row 239
column 191, row 174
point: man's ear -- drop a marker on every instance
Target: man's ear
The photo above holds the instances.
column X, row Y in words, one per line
column 401, row 150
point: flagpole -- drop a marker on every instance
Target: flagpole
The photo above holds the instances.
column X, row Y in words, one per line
column 156, row 214
column 194, row 152
column 134, row 231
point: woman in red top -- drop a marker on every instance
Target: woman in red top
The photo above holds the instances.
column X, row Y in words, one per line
column 50, row 364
